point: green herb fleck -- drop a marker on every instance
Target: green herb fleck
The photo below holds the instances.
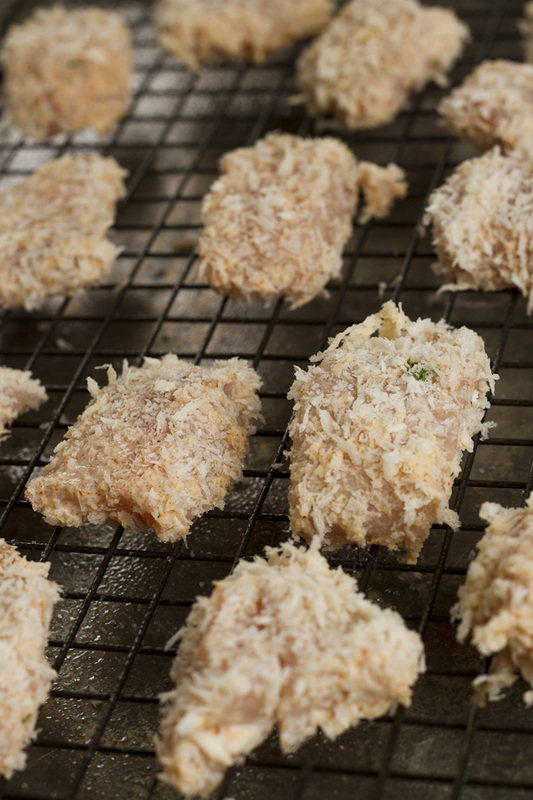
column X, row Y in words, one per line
column 418, row 370
column 25, row 718
column 74, row 63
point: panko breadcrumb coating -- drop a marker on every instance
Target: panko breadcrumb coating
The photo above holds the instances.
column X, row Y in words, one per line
column 154, row 448
column 496, row 601
column 53, row 226
column 276, row 222
column 379, row 429
column 203, row 31
column 366, row 63
column 526, row 29
column 26, row 602
column 65, row 70
column 494, row 105
column 482, row 224
column 19, row 392
column 285, row 641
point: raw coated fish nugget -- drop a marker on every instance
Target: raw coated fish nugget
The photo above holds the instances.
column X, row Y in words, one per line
column 65, row 70
column 285, row 641
column 276, row 221
column 154, row 448
column 366, row 63
column 53, row 226
column 202, row 31
column 380, row 424
column 19, row 392
column 493, row 106
column 26, row 602
column 496, row 601
column 482, row 223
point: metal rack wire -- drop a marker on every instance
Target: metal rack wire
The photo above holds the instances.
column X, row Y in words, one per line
column 124, row 593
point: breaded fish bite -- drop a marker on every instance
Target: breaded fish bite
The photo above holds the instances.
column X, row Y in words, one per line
column 285, row 641
column 482, row 224
column 494, row 105
column 276, row 222
column 203, row 31
column 65, row 70
column 155, row 448
column 379, row 428
column 26, row 602
column 496, row 601
column 364, row 66
column 19, row 392
column 53, row 226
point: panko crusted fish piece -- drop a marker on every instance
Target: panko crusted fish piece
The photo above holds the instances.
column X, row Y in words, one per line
column 380, row 425
column 203, row 31
column 285, row 641
column 496, row 601
column 53, row 226
column 482, row 223
column 66, row 70
column 19, row 392
column 366, row 63
column 27, row 598
column 155, row 448
column 493, row 106
column 276, row 221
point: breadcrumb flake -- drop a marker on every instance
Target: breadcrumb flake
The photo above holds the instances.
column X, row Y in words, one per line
column 26, row 602
column 482, row 223
column 366, row 63
column 66, row 70
column 496, row 601
column 379, row 429
column 203, row 31
column 65, row 249
column 155, row 448
column 276, row 221
column 493, row 106
column 285, row 641
column 19, row 392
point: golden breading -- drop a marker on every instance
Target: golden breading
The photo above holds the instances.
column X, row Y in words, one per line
column 363, row 67
column 482, row 224
column 202, row 31
column 494, row 105
column 19, row 392
column 526, row 29
column 65, row 70
column 285, row 641
column 276, row 222
column 26, row 602
column 379, row 429
column 154, row 448
column 53, row 226
column 496, row 601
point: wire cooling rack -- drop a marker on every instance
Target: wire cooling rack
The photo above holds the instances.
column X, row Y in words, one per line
column 124, row 593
